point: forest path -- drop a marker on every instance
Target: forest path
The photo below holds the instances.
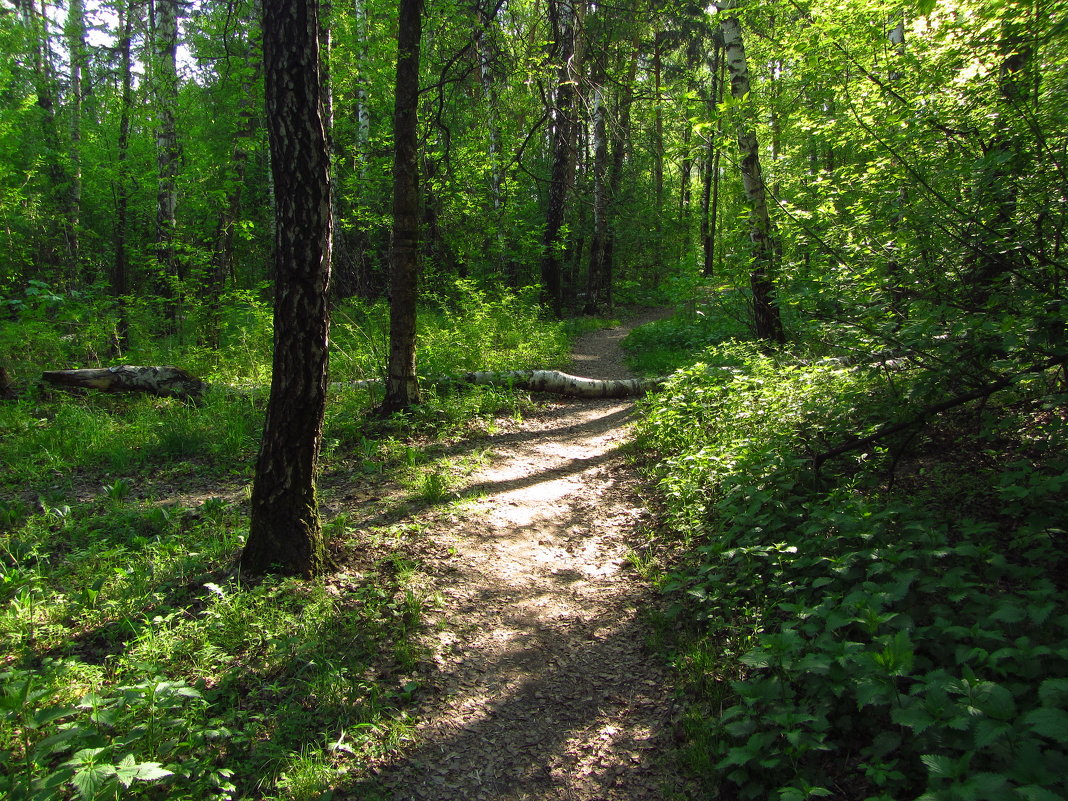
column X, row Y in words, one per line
column 543, row 687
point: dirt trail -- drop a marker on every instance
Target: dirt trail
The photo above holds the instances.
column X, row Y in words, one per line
column 544, row 688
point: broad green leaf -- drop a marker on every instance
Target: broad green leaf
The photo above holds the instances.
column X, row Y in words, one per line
column 1054, row 692
column 89, row 780
column 1049, row 722
column 1034, row 792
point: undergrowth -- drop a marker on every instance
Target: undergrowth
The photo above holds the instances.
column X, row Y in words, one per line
column 133, row 661
column 892, row 627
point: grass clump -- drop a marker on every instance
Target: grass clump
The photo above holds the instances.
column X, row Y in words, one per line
column 845, row 636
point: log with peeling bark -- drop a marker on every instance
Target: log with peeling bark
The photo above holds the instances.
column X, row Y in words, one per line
column 166, row 382
column 177, row 383
column 557, row 383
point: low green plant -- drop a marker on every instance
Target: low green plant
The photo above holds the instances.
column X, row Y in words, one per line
column 840, row 635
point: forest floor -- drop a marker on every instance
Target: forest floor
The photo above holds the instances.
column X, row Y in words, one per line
column 539, row 683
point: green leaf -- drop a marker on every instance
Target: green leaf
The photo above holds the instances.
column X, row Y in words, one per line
column 940, row 767
column 89, row 780
column 51, row 713
column 129, row 770
column 925, row 7
column 1049, row 722
column 1034, row 792
column 1054, row 692
column 914, row 717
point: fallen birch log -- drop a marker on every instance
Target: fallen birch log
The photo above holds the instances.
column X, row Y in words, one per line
column 167, row 382
column 557, row 383
column 174, row 382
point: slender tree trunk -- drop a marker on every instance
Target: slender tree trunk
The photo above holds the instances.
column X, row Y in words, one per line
column 484, row 25
column 285, row 533
column 768, row 323
column 710, row 190
column 79, row 62
column 165, row 32
column 566, row 16
column 120, row 281
column 893, row 265
column 55, row 247
column 595, row 276
column 365, row 282
column 994, row 253
column 620, row 143
column 402, row 387
column 658, row 161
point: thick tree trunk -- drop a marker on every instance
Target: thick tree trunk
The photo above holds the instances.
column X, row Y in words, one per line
column 285, row 533
column 402, row 387
column 768, row 324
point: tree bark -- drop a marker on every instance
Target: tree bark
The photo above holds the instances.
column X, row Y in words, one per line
column 165, row 32
column 285, row 533
column 710, row 189
column 402, row 386
column 566, row 16
column 120, row 278
column 767, row 321
column 79, row 63
column 620, row 144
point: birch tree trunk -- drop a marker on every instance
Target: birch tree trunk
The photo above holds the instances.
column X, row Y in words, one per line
column 767, row 321
column 402, row 388
column 285, row 533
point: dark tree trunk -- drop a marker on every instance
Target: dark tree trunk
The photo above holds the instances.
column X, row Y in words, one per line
column 165, row 31
column 565, row 16
column 620, row 143
column 285, row 533
column 710, row 189
column 79, row 63
column 402, row 387
column 120, row 279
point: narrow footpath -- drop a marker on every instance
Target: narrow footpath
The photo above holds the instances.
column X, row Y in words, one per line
column 544, row 687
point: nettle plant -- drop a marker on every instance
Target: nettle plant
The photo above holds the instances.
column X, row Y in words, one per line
column 116, row 745
column 885, row 650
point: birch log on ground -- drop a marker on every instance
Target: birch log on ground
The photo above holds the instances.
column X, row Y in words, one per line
column 174, row 382
column 166, row 382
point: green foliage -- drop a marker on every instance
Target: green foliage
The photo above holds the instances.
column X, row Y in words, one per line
column 842, row 636
column 660, row 347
